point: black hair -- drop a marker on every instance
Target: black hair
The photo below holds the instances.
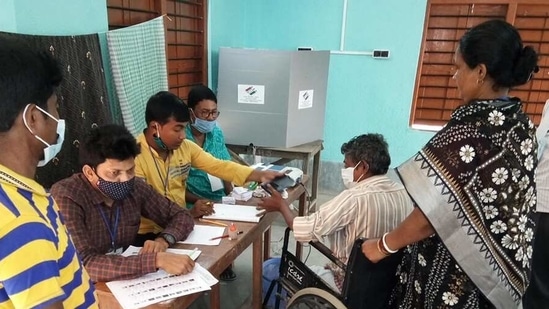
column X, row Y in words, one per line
column 26, row 76
column 497, row 44
column 370, row 148
column 164, row 105
column 110, row 141
column 200, row 93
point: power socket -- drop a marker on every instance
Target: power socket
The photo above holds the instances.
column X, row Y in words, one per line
column 381, row 54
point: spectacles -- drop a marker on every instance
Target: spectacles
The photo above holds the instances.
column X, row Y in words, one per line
column 208, row 113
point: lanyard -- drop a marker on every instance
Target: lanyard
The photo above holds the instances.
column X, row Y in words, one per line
column 112, row 232
column 165, row 181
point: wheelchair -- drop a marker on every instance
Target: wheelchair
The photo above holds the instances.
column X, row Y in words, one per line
column 366, row 285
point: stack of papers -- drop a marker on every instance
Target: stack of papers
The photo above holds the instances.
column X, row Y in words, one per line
column 235, row 213
column 160, row 286
column 241, row 194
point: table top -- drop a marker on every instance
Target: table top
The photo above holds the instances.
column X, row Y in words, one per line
column 311, row 148
column 214, row 258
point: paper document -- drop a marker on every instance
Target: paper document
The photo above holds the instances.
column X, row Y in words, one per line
column 202, row 234
column 193, row 254
column 205, row 274
column 235, row 213
column 156, row 287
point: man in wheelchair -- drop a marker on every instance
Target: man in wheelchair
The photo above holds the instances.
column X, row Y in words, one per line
column 372, row 205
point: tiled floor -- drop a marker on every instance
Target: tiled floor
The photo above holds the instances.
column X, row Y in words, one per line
column 236, row 294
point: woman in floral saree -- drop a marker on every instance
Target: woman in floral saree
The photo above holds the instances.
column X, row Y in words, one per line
column 467, row 243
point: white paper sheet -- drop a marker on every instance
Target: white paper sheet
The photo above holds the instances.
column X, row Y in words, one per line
column 202, row 234
column 215, row 183
column 235, row 213
column 194, row 254
column 205, row 274
column 156, row 287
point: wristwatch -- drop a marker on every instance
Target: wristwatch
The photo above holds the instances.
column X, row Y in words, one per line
column 169, row 238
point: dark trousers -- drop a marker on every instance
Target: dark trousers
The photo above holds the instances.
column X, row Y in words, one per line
column 141, row 238
column 537, row 293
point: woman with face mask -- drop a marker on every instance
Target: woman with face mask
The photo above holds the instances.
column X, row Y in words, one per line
column 203, row 130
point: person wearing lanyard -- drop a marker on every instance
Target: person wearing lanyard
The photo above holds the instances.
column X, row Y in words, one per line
column 103, row 204
column 167, row 157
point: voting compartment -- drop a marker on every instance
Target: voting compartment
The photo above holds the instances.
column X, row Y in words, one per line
column 272, row 98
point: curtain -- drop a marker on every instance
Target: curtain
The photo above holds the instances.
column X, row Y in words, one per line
column 82, row 96
column 138, row 62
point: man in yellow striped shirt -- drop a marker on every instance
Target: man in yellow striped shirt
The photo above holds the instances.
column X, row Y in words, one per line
column 39, row 267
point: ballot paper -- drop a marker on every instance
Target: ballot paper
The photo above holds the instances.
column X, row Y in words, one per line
column 235, row 213
column 157, row 287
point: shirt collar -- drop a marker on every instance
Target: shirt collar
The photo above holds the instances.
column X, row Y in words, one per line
column 92, row 193
column 9, row 177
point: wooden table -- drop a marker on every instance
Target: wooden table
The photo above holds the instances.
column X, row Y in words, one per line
column 303, row 153
column 218, row 258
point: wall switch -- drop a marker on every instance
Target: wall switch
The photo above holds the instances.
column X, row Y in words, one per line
column 381, row 54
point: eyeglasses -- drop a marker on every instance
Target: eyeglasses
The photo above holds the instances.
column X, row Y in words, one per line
column 207, row 113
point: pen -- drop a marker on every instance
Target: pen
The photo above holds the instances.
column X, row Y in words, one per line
column 212, row 222
column 225, row 236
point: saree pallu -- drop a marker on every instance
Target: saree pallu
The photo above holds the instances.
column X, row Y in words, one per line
column 474, row 182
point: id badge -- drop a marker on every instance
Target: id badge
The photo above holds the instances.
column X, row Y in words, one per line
column 116, row 251
column 215, row 183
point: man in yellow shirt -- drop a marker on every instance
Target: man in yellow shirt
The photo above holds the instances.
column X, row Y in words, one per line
column 167, row 156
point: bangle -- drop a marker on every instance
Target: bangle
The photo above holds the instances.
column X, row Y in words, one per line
column 385, row 245
column 385, row 253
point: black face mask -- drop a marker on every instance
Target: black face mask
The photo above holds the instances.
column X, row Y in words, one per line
column 116, row 190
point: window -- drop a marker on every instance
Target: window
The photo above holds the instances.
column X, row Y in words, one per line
column 186, row 36
column 435, row 94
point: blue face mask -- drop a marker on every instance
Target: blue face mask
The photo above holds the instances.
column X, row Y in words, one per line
column 204, row 126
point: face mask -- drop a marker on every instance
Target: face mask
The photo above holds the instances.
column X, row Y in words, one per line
column 203, row 126
column 115, row 190
column 347, row 175
column 51, row 150
column 158, row 141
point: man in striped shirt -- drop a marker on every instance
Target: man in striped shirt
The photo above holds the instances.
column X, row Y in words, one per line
column 39, row 267
column 371, row 205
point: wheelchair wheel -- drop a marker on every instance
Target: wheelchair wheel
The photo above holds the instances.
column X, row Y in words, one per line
column 314, row 298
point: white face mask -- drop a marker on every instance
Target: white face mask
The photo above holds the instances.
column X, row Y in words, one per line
column 347, row 175
column 51, row 150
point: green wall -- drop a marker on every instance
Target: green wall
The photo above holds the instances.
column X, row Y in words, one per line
column 364, row 94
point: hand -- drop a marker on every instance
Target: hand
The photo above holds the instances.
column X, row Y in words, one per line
column 273, row 203
column 268, row 176
column 371, row 250
column 177, row 264
column 202, row 208
column 153, row 246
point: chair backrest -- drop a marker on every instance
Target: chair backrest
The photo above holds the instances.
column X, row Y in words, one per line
column 367, row 284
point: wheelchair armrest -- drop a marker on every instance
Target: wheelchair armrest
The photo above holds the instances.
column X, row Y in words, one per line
column 327, row 253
